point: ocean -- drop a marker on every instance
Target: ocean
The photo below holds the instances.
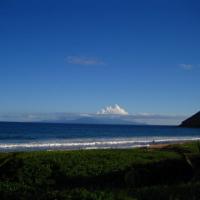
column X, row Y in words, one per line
column 51, row 136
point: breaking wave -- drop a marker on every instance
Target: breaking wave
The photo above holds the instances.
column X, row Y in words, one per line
column 88, row 143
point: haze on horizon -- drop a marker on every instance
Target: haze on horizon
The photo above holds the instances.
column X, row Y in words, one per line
column 82, row 56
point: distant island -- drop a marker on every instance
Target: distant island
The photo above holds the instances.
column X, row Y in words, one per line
column 107, row 120
column 192, row 122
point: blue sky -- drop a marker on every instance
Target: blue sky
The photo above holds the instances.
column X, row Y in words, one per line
column 79, row 56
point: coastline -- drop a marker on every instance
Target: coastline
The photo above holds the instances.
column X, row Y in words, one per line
column 155, row 144
column 37, row 137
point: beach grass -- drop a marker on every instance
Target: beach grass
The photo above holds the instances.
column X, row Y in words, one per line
column 140, row 173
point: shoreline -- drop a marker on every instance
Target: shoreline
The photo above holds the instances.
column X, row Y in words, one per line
column 149, row 145
column 60, row 173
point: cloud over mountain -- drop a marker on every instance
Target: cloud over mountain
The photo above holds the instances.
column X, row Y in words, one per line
column 107, row 116
column 115, row 110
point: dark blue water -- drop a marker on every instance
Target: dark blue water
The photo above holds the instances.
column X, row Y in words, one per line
column 37, row 136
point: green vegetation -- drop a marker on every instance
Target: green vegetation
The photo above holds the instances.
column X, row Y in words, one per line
column 128, row 174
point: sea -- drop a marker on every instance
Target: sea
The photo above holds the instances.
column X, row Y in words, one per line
column 54, row 136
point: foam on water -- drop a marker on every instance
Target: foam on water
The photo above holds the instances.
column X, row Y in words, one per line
column 88, row 143
column 49, row 136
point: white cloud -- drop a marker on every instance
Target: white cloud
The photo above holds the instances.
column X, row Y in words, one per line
column 81, row 60
column 85, row 115
column 115, row 110
column 145, row 114
column 186, row 66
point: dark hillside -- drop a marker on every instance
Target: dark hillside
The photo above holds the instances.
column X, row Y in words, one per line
column 193, row 121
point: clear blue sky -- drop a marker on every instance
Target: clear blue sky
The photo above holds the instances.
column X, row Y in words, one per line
column 82, row 55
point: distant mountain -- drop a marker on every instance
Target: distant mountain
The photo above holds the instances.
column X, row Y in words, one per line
column 97, row 120
column 91, row 120
column 193, row 121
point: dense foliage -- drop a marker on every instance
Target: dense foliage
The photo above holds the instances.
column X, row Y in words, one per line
column 102, row 174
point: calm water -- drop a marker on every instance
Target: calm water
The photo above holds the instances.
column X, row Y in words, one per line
column 44, row 136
